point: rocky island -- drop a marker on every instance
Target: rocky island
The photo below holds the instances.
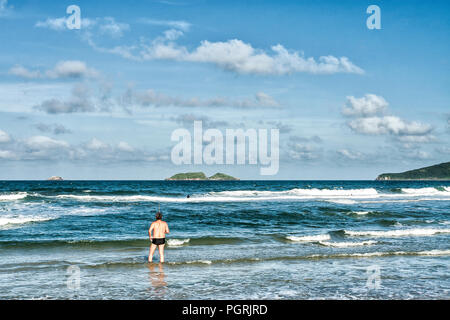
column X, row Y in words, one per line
column 55, row 178
column 437, row 172
column 201, row 176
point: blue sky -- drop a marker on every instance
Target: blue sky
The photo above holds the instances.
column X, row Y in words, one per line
column 101, row 102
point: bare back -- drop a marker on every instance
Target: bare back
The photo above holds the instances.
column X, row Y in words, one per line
column 159, row 228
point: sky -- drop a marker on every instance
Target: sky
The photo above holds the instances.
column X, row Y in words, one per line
column 101, row 102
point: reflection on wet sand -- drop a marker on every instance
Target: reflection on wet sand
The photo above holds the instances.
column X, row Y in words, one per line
column 157, row 279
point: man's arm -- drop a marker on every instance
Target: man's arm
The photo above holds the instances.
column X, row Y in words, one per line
column 150, row 231
column 167, row 228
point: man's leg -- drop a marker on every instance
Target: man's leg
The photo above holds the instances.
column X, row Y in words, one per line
column 152, row 251
column 161, row 253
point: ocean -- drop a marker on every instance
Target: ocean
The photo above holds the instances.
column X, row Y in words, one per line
column 228, row 240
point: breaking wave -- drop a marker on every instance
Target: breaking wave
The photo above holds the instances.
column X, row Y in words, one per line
column 319, row 237
column 13, row 196
column 18, row 220
column 360, row 213
column 177, row 242
column 347, row 244
column 340, row 196
column 398, row 232
column 104, row 243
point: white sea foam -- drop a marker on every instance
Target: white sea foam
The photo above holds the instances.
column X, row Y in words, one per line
column 177, row 242
column 398, row 232
column 344, row 255
column 13, row 196
column 86, row 211
column 319, row 237
column 340, row 196
column 434, row 253
column 114, row 198
column 361, row 213
column 426, row 191
column 379, row 254
column 143, row 198
column 199, row 261
column 15, row 220
column 325, row 193
column 343, row 201
column 347, row 244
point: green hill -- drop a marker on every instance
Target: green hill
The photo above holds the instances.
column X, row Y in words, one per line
column 200, row 176
column 222, row 176
column 189, row 176
column 436, row 172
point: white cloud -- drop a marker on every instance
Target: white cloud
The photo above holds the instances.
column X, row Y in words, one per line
column 7, row 155
column 105, row 26
column 123, row 146
column 53, row 128
column 54, row 24
column 70, row 69
column 187, row 120
column 110, row 27
column 416, row 139
column 388, row 125
column 265, row 100
column 4, row 137
column 22, row 72
column 351, row 155
column 368, row 105
column 43, row 142
column 238, row 56
column 152, row 98
column 232, row 55
column 417, row 155
column 245, row 59
column 22, row 96
column 307, row 152
column 48, row 149
column 369, row 118
column 80, row 101
column 96, row 144
column 282, row 127
column 178, row 24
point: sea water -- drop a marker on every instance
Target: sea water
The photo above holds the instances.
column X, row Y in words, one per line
column 228, row 240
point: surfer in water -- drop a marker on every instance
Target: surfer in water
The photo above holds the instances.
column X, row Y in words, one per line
column 159, row 229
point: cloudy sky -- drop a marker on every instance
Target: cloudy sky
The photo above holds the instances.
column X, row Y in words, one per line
column 102, row 102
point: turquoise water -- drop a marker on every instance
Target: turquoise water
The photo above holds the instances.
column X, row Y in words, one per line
column 229, row 240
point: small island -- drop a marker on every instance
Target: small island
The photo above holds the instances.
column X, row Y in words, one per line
column 437, row 172
column 201, row 176
column 55, row 178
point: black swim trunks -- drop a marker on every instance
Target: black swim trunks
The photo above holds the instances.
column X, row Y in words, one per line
column 158, row 241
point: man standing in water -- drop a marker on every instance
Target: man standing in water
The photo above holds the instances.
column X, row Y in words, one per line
column 159, row 228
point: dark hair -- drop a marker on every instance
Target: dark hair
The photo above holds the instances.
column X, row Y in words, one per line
column 158, row 215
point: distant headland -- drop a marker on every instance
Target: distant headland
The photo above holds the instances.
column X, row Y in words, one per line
column 436, row 172
column 200, row 176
